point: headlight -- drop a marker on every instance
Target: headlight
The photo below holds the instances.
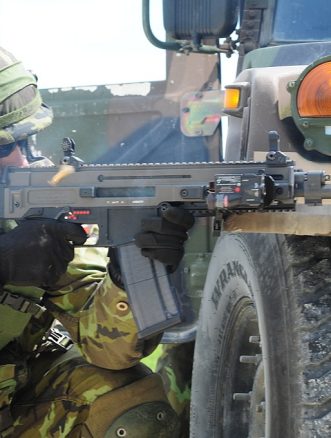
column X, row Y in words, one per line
column 311, row 105
column 314, row 92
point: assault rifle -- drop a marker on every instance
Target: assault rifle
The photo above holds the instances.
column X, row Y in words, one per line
column 118, row 197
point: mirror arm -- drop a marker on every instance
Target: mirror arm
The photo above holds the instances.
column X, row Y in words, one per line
column 180, row 46
column 149, row 33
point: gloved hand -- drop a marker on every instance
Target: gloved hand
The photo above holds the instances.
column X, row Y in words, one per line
column 37, row 252
column 162, row 238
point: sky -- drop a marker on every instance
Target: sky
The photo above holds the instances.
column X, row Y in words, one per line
column 83, row 42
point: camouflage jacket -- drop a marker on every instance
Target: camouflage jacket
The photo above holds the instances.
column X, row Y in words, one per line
column 95, row 312
column 90, row 306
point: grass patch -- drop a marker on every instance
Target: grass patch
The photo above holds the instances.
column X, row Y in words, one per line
column 152, row 359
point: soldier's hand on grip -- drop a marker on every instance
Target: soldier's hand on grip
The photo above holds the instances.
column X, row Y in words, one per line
column 163, row 238
column 37, row 252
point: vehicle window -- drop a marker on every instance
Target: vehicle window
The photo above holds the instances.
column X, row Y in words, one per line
column 302, row 20
column 105, row 82
column 82, row 42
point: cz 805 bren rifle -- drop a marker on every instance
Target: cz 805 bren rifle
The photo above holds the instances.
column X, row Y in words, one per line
column 118, row 197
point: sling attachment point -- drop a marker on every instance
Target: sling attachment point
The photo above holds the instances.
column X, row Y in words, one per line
column 55, row 341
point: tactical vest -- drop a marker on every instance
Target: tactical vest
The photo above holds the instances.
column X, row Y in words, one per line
column 25, row 331
column 24, row 323
column 19, row 304
column 19, row 316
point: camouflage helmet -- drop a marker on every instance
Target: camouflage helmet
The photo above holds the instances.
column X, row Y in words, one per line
column 22, row 112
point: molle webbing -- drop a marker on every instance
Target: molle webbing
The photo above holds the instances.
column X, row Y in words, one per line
column 15, row 313
column 21, row 304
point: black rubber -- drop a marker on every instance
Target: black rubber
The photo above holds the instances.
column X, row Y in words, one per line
column 277, row 287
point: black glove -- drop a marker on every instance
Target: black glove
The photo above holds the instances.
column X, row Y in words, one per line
column 37, row 252
column 162, row 238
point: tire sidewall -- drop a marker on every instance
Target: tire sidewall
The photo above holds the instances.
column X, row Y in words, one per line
column 245, row 267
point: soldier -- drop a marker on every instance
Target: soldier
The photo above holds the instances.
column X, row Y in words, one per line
column 96, row 387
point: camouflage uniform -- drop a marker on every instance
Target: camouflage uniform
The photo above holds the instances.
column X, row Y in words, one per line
column 175, row 367
column 98, row 388
column 79, row 393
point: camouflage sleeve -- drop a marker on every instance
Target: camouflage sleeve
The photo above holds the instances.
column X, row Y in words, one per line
column 97, row 313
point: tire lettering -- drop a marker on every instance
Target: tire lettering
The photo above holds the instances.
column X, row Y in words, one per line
column 216, row 295
column 231, row 270
column 237, row 268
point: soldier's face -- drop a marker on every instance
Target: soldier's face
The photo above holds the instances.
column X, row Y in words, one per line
column 15, row 158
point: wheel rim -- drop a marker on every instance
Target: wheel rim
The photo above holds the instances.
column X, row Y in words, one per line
column 241, row 386
column 257, row 404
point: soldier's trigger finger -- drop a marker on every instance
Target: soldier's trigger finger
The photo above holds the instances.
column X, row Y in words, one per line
column 72, row 232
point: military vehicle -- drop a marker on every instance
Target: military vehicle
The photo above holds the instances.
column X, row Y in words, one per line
column 262, row 365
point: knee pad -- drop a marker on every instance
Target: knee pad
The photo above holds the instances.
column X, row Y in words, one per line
column 148, row 420
column 138, row 410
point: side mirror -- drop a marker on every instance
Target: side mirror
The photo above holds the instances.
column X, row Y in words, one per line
column 200, row 19
column 189, row 23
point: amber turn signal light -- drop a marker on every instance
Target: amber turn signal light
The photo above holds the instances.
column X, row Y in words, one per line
column 231, row 98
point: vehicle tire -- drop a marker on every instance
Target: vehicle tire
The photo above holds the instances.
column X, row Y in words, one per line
column 262, row 357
